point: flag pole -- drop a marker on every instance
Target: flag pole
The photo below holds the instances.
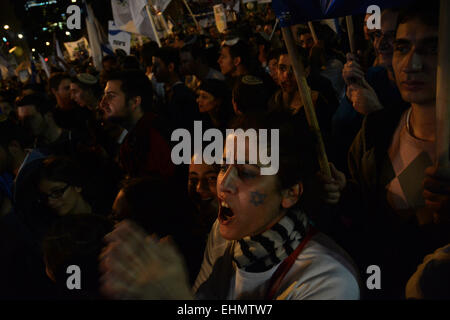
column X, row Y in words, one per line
column 305, row 93
column 351, row 33
column 274, row 28
column 193, row 17
column 443, row 89
column 313, row 32
column 147, row 7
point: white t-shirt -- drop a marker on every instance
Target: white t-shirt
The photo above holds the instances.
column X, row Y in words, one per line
column 409, row 157
column 321, row 272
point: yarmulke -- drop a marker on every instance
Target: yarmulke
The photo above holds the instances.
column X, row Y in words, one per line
column 251, row 80
column 230, row 42
column 87, row 78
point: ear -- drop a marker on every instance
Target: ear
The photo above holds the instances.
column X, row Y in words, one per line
column 171, row 67
column 135, row 102
column 237, row 61
column 291, row 195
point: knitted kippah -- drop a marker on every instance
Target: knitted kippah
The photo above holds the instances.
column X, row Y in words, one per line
column 251, row 80
column 87, row 78
column 230, row 42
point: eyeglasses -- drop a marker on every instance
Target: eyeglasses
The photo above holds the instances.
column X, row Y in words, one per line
column 55, row 194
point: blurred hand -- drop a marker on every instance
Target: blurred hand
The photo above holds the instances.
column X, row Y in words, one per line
column 363, row 97
column 331, row 188
column 352, row 71
column 136, row 266
column 437, row 192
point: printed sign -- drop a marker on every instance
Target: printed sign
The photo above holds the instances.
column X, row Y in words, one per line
column 118, row 39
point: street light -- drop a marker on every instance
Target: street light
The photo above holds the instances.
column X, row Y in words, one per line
column 47, row 43
column 67, row 33
column 33, row 50
column 6, row 27
column 20, row 36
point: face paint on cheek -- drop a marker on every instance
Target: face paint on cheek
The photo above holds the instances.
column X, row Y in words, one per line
column 257, row 198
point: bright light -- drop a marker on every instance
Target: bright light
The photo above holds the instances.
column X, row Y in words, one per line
column 73, row 1
column 44, row 29
column 6, row 27
column 67, row 33
column 5, row 40
column 20, row 36
column 47, row 43
column 33, row 50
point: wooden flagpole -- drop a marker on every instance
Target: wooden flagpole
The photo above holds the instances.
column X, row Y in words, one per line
column 305, row 94
column 273, row 30
column 200, row 29
column 313, row 32
column 351, row 34
column 152, row 23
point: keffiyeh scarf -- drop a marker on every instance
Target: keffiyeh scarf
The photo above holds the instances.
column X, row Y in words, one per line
column 261, row 252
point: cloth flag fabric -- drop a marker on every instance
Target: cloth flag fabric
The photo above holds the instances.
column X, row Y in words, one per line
column 131, row 16
column 74, row 48
column 161, row 5
column 59, row 54
column 118, row 39
column 292, row 12
column 44, row 66
column 94, row 39
column 221, row 18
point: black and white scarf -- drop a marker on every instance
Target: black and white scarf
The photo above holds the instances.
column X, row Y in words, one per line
column 261, row 252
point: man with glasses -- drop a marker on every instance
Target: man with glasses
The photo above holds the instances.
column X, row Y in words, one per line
column 398, row 201
column 369, row 91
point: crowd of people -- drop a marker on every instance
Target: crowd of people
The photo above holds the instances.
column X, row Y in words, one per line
column 87, row 178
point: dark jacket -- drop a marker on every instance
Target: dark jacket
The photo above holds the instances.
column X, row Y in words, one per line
column 376, row 234
column 145, row 151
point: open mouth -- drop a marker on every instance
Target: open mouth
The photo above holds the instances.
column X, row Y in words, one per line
column 226, row 215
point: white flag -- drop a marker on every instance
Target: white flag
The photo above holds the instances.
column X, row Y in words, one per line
column 94, row 39
column 221, row 18
column 44, row 66
column 161, row 5
column 131, row 16
column 75, row 47
column 60, row 55
column 119, row 39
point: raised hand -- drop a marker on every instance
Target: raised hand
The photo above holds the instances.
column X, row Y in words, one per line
column 331, row 188
column 363, row 97
column 136, row 266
